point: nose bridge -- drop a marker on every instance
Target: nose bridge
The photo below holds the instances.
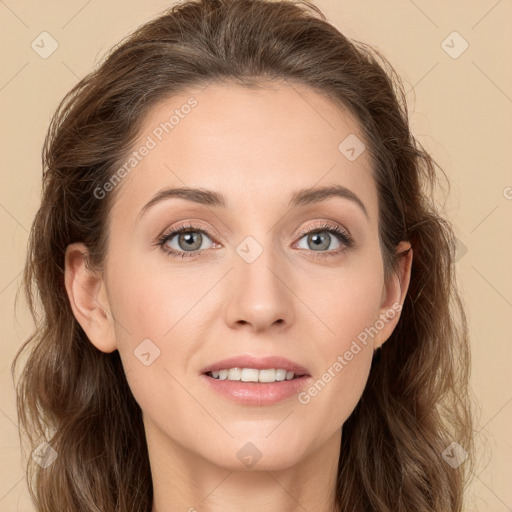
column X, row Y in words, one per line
column 259, row 295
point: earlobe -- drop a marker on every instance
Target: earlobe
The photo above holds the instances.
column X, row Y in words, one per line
column 88, row 298
column 394, row 292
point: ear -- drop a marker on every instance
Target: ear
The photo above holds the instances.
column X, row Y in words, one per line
column 88, row 298
column 393, row 293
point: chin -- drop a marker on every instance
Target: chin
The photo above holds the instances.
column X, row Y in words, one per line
column 253, row 454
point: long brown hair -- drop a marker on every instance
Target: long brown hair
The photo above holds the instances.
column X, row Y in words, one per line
column 76, row 398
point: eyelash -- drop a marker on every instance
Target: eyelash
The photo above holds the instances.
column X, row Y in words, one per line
column 340, row 234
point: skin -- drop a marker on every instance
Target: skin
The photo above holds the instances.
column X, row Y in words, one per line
column 256, row 147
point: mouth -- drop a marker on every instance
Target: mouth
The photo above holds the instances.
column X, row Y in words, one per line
column 254, row 375
column 255, row 381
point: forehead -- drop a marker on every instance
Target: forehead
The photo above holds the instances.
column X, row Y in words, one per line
column 256, row 145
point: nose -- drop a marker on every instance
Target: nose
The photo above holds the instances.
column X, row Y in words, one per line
column 260, row 294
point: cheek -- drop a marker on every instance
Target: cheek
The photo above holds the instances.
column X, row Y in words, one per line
column 158, row 311
column 348, row 308
column 346, row 304
column 149, row 297
column 346, row 359
column 152, row 311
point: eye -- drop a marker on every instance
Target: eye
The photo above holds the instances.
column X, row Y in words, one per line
column 189, row 240
column 320, row 239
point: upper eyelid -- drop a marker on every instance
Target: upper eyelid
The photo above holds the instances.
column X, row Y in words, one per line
column 188, row 226
column 171, row 232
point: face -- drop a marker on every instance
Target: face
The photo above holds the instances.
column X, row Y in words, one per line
column 270, row 272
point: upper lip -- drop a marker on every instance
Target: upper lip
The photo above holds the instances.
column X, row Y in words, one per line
column 259, row 363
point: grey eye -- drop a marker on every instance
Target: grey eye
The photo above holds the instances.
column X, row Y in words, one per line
column 319, row 241
column 187, row 240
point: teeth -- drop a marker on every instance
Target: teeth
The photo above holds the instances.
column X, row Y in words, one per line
column 280, row 374
column 234, row 374
column 253, row 375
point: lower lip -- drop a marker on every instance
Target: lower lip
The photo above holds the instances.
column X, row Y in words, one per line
column 257, row 393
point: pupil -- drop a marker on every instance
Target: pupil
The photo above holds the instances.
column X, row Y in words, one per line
column 189, row 238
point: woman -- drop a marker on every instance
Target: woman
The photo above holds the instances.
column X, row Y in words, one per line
column 248, row 293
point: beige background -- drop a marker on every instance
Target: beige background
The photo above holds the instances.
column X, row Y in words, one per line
column 460, row 109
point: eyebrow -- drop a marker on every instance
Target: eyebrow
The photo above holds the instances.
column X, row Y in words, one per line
column 207, row 197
